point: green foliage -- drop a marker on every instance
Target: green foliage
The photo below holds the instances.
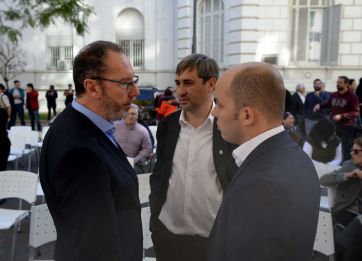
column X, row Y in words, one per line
column 16, row 15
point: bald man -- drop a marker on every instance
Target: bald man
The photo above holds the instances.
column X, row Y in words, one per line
column 270, row 210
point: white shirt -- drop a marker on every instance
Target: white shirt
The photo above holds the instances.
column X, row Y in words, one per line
column 243, row 151
column 194, row 194
column 308, row 149
column 302, row 97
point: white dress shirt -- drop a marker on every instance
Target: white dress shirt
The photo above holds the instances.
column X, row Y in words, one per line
column 194, row 194
column 243, row 151
column 302, row 97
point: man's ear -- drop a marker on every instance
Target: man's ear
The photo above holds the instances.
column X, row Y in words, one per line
column 91, row 87
column 248, row 116
column 212, row 83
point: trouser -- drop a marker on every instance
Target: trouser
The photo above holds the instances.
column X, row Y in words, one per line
column 347, row 134
column 169, row 246
column 34, row 117
column 348, row 241
column 50, row 107
column 17, row 109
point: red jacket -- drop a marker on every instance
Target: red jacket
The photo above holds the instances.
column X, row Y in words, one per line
column 32, row 100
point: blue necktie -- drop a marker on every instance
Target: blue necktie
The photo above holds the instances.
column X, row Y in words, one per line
column 110, row 133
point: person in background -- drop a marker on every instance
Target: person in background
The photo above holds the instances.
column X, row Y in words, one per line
column 344, row 110
column 166, row 104
column 5, row 112
column 193, row 169
column 270, row 209
column 352, row 86
column 313, row 98
column 89, row 186
column 32, row 104
column 294, row 132
column 323, row 145
column 133, row 137
column 298, row 106
column 69, row 93
column 17, row 96
column 347, row 208
column 51, row 96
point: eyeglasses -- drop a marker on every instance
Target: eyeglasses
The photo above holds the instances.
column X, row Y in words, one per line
column 355, row 151
column 126, row 85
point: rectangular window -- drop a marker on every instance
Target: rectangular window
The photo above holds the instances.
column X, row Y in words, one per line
column 134, row 51
column 59, row 53
column 311, row 31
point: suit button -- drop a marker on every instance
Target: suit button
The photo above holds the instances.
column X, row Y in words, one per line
column 221, row 152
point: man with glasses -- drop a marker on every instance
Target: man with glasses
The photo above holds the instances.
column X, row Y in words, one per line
column 89, row 186
column 347, row 208
column 193, row 169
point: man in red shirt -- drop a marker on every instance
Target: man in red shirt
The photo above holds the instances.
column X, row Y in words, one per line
column 344, row 110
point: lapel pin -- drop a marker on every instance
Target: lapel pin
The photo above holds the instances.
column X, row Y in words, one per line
column 221, row 152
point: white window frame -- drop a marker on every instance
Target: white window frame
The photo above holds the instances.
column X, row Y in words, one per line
column 202, row 43
column 59, row 52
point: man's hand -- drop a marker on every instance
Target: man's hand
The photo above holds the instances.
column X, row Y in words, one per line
column 316, row 108
column 337, row 117
column 355, row 174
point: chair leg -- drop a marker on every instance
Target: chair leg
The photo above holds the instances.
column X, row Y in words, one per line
column 12, row 256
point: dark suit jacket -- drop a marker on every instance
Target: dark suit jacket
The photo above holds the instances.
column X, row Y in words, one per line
column 298, row 106
column 91, row 191
column 270, row 210
column 167, row 135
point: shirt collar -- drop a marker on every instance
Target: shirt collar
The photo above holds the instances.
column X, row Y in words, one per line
column 100, row 122
column 243, row 151
column 183, row 122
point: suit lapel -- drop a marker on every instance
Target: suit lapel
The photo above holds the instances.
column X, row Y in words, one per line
column 108, row 145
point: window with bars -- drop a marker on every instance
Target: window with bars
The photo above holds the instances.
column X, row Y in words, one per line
column 315, row 32
column 130, row 36
column 211, row 31
column 59, row 53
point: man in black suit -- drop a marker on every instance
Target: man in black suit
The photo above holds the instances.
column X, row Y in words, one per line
column 270, row 210
column 90, row 188
column 298, row 106
column 193, row 168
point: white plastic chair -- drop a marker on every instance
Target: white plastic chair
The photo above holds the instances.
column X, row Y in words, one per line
column 19, row 140
column 144, row 187
column 16, row 184
column 42, row 229
column 324, row 241
column 147, row 241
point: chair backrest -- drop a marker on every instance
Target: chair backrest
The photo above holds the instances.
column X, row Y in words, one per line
column 32, row 138
column 324, row 242
column 18, row 141
column 44, row 131
column 145, row 216
column 42, row 229
column 21, row 129
column 144, row 187
column 18, row 184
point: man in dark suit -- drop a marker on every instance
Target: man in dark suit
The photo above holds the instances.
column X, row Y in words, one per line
column 270, row 210
column 90, row 188
column 298, row 106
column 193, row 168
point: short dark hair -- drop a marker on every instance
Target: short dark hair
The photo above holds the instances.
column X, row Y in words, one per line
column 2, row 87
column 259, row 88
column 30, row 85
column 206, row 67
column 317, row 80
column 16, row 81
column 358, row 140
column 324, row 130
column 90, row 62
column 51, row 87
column 350, row 81
column 345, row 78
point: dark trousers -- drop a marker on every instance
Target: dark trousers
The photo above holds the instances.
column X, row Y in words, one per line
column 34, row 117
column 50, row 107
column 17, row 109
column 348, row 241
column 347, row 134
column 171, row 247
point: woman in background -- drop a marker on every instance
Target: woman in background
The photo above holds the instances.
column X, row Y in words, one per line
column 323, row 145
